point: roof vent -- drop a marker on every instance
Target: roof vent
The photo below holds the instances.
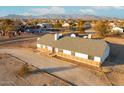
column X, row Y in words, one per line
column 56, row 36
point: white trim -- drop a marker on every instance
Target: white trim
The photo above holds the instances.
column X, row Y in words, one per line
column 56, row 50
column 67, row 52
column 43, row 46
column 97, row 59
column 38, row 45
column 81, row 55
column 49, row 48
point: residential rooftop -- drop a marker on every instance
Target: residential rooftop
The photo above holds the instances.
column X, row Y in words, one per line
column 86, row 46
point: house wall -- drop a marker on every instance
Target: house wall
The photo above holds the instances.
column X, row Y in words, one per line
column 56, row 50
column 49, row 48
column 106, row 54
column 81, row 55
column 67, row 52
column 43, row 46
column 97, row 59
column 117, row 29
column 38, row 45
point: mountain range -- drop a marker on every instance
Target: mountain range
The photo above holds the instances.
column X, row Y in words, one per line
column 57, row 16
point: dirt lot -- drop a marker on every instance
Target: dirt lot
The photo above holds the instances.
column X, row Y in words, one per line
column 31, row 46
column 112, row 71
column 14, row 72
column 115, row 61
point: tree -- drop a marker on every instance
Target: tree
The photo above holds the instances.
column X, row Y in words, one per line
column 102, row 28
column 121, row 23
column 80, row 25
column 6, row 22
column 9, row 28
column 57, row 25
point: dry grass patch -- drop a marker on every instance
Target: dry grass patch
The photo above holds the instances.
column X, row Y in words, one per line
column 24, row 70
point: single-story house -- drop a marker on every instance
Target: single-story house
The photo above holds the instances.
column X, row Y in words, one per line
column 66, row 25
column 117, row 29
column 45, row 25
column 88, row 51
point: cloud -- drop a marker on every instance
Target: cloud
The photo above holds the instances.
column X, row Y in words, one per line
column 42, row 11
column 107, row 7
column 118, row 7
column 94, row 9
column 101, row 7
column 87, row 11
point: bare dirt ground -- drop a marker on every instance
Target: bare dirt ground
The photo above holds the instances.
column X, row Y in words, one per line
column 115, row 61
column 23, row 35
column 112, row 71
column 12, row 72
column 88, row 76
column 9, row 68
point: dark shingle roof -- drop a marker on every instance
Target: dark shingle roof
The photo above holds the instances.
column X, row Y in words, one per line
column 86, row 46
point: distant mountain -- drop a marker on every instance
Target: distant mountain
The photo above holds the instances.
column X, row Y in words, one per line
column 14, row 16
column 68, row 16
column 57, row 16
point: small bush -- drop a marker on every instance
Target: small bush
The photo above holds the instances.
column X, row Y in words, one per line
column 116, row 34
column 122, row 36
column 106, row 70
column 97, row 36
column 23, row 70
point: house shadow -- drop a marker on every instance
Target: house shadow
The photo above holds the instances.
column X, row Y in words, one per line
column 116, row 55
column 52, row 70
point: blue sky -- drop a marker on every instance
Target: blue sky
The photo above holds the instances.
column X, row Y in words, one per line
column 110, row 11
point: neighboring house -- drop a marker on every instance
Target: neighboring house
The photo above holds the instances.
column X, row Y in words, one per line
column 45, row 25
column 88, row 51
column 65, row 25
column 115, row 28
column 73, row 35
column 112, row 25
column 87, row 25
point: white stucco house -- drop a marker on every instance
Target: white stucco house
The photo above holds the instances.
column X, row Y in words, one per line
column 65, row 25
column 45, row 25
column 73, row 35
column 88, row 51
column 115, row 28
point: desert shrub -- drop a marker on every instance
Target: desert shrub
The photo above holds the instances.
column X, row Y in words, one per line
column 106, row 70
column 97, row 36
column 23, row 70
column 102, row 28
column 114, row 34
column 122, row 36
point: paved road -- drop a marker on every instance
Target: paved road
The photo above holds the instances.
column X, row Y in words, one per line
column 67, row 71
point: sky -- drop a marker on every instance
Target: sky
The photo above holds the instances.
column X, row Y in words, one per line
column 109, row 11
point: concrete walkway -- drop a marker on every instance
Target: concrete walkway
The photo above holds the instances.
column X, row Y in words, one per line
column 64, row 70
